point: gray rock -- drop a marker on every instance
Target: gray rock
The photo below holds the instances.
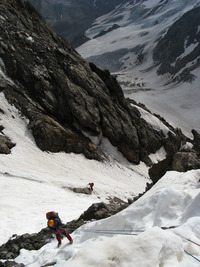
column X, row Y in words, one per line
column 68, row 102
column 183, row 161
column 196, row 141
column 5, row 144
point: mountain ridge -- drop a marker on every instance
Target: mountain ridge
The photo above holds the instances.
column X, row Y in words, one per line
column 57, row 111
column 126, row 41
column 135, row 52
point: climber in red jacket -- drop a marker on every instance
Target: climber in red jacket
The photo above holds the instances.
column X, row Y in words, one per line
column 90, row 186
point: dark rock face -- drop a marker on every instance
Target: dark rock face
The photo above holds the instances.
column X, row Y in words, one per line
column 101, row 210
column 178, row 158
column 172, row 146
column 67, row 100
column 196, row 142
column 169, row 51
column 188, row 158
column 11, row 264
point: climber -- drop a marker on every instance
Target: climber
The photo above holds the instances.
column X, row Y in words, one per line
column 90, row 186
column 55, row 224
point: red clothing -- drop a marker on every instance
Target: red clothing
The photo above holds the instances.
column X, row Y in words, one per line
column 59, row 229
column 91, row 186
column 63, row 232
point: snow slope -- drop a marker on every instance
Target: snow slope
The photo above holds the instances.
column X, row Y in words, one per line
column 40, row 181
column 127, row 52
column 33, row 182
column 133, row 237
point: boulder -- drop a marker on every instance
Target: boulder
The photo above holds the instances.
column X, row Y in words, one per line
column 5, row 144
column 81, row 190
column 184, row 161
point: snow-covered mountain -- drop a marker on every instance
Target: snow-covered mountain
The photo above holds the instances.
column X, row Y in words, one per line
column 71, row 18
column 153, row 47
column 33, row 182
column 65, row 123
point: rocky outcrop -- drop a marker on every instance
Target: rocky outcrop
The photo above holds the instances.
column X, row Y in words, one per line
column 179, row 157
column 5, row 143
column 184, row 161
column 82, row 190
column 188, row 158
column 98, row 211
column 11, row 249
column 71, row 105
column 196, row 142
column 11, row 264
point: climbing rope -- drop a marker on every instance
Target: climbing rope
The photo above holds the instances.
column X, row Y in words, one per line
column 133, row 232
column 117, row 230
column 112, row 232
column 191, row 255
column 136, row 232
column 189, row 240
column 188, row 253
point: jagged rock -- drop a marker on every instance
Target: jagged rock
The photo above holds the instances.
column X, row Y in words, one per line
column 69, row 103
column 179, row 158
column 173, row 142
column 184, row 161
column 5, row 144
column 172, row 145
column 51, row 136
column 11, row 264
column 196, row 142
column 94, row 211
column 11, row 249
column 101, row 210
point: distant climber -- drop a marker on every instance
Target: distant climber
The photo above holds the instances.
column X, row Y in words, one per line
column 55, row 224
column 90, row 186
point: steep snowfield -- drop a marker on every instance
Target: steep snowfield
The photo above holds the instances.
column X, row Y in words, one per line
column 120, row 51
column 33, row 182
